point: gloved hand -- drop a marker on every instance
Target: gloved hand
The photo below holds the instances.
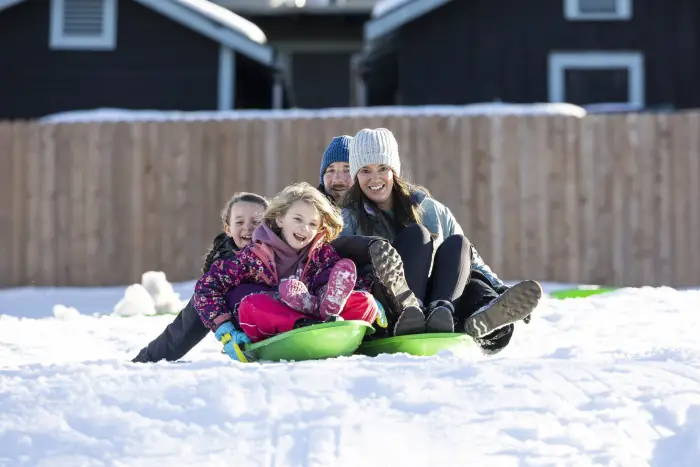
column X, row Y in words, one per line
column 381, row 316
column 232, row 339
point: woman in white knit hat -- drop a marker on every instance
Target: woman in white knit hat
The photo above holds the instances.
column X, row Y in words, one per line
column 437, row 257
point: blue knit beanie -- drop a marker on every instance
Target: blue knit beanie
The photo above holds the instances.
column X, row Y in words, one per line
column 337, row 151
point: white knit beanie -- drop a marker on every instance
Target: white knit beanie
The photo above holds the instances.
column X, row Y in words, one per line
column 376, row 146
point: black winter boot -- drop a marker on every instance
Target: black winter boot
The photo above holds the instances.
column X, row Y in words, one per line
column 410, row 321
column 496, row 341
column 515, row 304
column 440, row 317
column 388, row 268
column 142, row 357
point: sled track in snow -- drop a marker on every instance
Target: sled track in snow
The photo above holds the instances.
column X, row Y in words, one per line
column 588, row 382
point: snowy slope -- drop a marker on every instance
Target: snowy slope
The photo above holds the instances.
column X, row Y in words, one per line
column 609, row 380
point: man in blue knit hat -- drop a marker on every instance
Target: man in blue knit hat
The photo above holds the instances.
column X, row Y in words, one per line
column 334, row 177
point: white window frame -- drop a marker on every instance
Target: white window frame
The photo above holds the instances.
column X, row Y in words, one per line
column 107, row 41
column 572, row 12
column 559, row 62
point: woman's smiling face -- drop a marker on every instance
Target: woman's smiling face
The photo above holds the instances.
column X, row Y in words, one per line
column 377, row 182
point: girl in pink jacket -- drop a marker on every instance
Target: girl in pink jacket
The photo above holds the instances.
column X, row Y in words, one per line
column 291, row 254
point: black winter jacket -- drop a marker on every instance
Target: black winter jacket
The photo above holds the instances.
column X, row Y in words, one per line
column 187, row 330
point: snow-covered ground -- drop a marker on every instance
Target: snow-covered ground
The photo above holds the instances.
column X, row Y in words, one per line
column 610, row 380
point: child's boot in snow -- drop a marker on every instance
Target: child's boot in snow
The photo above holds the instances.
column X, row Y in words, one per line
column 295, row 295
column 515, row 304
column 340, row 285
column 440, row 317
column 388, row 268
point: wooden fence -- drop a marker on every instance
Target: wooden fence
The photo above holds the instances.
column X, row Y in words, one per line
column 604, row 199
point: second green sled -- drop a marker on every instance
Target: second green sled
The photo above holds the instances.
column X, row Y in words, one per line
column 421, row 345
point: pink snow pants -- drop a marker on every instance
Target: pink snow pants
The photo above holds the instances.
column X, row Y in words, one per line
column 261, row 316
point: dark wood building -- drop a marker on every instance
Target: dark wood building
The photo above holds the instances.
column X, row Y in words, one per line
column 643, row 53
column 62, row 55
column 317, row 42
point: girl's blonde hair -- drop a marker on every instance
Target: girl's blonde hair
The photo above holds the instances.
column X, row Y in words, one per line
column 331, row 219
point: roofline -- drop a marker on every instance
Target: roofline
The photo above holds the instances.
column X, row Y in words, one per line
column 204, row 26
column 225, row 36
column 8, row 3
column 399, row 16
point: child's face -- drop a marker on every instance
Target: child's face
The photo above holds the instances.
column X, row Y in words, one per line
column 244, row 218
column 376, row 182
column 300, row 224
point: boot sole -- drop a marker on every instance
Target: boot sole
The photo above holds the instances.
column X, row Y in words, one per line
column 440, row 320
column 338, row 289
column 514, row 305
column 411, row 321
column 388, row 268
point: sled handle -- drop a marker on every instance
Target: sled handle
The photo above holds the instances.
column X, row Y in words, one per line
column 239, row 353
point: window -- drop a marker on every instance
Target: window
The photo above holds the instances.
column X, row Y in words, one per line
column 592, row 77
column 598, row 10
column 83, row 24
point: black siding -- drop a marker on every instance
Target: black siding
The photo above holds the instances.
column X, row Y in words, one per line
column 319, row 78
column 158, row 64
column 481, row 50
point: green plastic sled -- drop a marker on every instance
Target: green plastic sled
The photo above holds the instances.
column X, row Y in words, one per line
column 325, row 340
column 422, row 345
column 581, row 292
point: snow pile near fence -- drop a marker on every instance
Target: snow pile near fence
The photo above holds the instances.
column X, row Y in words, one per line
column 485, row 109
column 153, row 296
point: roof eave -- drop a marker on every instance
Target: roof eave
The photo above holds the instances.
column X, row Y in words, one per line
column 259, row 52
column 399, row 16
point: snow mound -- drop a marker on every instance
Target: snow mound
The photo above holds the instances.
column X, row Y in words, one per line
column 66, row 313
column 165, row 299
column 153, row 296
column 137, row 301
column 612, row 379
column 484, row 109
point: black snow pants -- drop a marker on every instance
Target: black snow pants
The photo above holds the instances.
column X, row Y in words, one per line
column 450, row 264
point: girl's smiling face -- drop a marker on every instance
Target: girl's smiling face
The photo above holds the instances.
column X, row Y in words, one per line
column 300, row 224
column 377, row 182
column 243, row 219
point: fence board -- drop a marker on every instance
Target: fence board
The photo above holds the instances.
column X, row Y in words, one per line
column 20, row 209
column 7, row 195
column 603, row 199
